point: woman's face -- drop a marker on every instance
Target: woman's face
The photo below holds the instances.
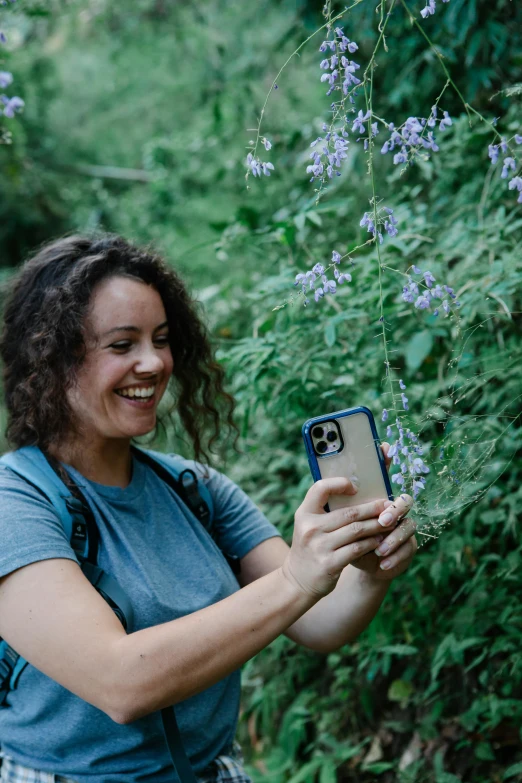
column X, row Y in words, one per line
column 128, row 361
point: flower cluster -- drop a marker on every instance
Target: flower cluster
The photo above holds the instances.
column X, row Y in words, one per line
column 412, row 135
column 406, row 452
column 8, row 106
column 429, row 8
column 509, row 163
column 426, row 299
column 330, row 150
column 308, row 279
column 389, row 223
column 257, row 166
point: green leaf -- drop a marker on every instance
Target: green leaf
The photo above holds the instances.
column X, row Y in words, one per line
column 400, row 690
column 417, row 349
column 484, row 751
column 379, row 767
column 515, row 769
column 328, row 771
column 330, row 334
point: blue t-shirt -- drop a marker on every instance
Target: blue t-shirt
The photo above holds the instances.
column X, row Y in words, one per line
column 169, row 566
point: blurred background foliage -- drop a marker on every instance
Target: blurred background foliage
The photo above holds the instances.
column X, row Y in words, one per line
column 136, row 122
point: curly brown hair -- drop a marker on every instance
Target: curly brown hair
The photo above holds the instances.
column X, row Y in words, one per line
column 43, row 345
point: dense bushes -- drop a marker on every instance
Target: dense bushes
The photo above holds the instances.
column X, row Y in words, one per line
column 167, row 93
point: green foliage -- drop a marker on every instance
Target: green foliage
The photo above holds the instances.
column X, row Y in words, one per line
column 135, row 122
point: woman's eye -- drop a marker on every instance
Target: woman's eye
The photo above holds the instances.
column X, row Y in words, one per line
column 121, row 346
column 163, row 340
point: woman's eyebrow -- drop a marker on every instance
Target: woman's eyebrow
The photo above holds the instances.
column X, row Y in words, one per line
column 134, row 329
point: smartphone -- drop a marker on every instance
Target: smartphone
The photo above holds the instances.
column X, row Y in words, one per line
column 346, row 444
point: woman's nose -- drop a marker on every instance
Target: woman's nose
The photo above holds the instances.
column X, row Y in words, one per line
column 151, row 360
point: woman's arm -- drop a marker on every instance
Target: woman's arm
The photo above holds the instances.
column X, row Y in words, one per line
column 52, row 616
column 343, row 614
column 336, row 619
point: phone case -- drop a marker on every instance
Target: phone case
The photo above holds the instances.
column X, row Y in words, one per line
column 360, row 457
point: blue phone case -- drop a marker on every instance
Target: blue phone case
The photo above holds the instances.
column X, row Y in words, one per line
column 312, row 458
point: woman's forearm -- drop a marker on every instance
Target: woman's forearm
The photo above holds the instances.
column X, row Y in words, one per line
column 167, row 663
column 342, row 615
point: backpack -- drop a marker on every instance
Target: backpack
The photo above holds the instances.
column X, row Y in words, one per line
column 46, row 475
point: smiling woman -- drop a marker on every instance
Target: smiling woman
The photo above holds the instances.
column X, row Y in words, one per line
column 117, row 595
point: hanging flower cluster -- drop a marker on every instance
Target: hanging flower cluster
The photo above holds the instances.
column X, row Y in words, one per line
column 406, row 451
column 388, row 223
column 9, row 106
column 412, row 136
column 307, row 280
column 257, row 166
column 426, row 299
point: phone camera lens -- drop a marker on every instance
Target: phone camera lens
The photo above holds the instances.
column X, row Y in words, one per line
column 331, row 436
column 318, row 432
column 321, row 446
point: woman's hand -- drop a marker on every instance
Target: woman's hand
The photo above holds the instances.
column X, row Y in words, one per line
column 324, row 544
column 396, row 551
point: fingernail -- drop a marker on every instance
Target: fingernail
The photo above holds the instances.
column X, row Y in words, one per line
column 382, row 550
column 385, row 565
column 380, row 538
column 385, row 519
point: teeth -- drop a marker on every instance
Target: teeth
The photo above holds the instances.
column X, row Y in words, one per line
column 145, row 393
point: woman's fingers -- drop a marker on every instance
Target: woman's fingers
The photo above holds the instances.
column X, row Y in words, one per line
column 392, row 543
column 396, row 510
column 318, row 495
column 401, row 557
column 385, row 447
column 356, row 531
column 352, row 514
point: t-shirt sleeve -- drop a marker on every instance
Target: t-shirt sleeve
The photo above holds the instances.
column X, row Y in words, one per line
column 239, row 524
column 30, row 529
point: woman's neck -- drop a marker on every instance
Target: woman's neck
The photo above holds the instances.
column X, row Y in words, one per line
column 108, row 463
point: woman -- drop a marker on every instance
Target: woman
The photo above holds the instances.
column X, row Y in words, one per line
column 96, row 333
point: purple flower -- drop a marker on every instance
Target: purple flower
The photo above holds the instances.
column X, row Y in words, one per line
column 12, row 105
column 416, row 270
column 508, row 165
column 516, row 184
column 6, row 79
column 3, row 39
column 404, row 401
column 319, row 293
column 428, row 10
column 402, row 385
column 336, row 257
column 428, row 277
column 359, row 120
column 384, row 415
column 493, row 153
column 518, row 139
column 445, row 121
column 318, row 269
column 401, row 157
column 267, row 145
column 422, row 303
column 330, row 287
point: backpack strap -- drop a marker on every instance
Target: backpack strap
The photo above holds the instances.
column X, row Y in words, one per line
column 177, row 473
